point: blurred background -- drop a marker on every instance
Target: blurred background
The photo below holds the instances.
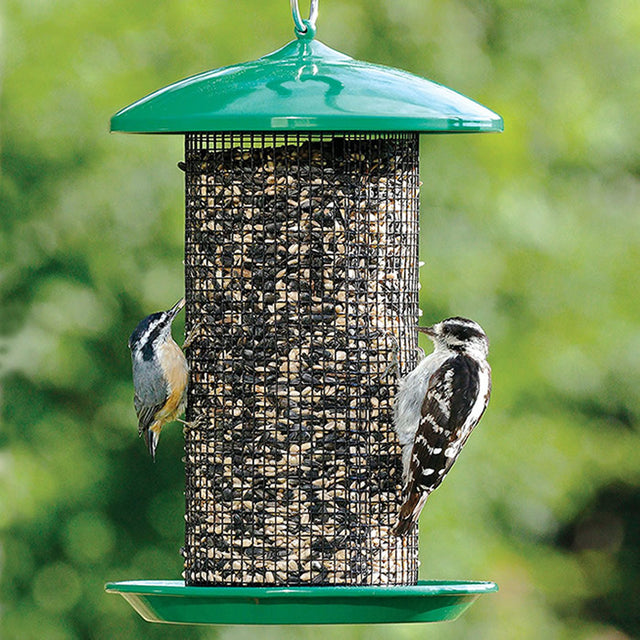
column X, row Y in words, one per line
column 535, row 233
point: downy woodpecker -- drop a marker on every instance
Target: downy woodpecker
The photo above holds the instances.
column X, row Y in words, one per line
column 437, row 406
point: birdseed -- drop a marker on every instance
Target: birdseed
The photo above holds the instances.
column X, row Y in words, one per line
column 301, row 286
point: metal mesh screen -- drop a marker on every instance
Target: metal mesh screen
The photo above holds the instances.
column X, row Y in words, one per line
column 301, row 286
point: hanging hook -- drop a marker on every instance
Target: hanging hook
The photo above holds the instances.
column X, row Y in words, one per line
column 302, row 26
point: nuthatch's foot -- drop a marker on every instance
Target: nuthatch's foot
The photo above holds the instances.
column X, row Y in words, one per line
column 193, row 335
column 194, row 424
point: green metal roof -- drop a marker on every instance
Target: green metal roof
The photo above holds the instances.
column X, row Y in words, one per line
column 305, row 86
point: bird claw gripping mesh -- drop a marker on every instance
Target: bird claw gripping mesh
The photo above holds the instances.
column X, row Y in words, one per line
column 302, row 277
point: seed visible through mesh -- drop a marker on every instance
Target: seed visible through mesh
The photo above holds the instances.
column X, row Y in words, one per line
column 301, row 288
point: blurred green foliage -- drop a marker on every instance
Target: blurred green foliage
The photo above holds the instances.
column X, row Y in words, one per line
column 535, row 233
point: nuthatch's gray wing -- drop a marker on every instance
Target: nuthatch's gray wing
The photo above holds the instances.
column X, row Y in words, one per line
column 151, row 394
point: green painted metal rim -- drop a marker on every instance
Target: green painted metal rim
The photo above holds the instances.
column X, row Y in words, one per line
column 306, row 86
column 423, row 588
column 173, row 602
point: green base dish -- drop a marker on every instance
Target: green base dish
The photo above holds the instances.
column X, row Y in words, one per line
column 170, row 601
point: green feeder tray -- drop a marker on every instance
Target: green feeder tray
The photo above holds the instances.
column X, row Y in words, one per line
column 172, row 602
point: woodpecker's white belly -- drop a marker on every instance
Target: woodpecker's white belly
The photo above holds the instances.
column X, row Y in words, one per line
column 408, row 402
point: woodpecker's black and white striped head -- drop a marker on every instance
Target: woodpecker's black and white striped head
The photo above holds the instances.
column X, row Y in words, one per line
column 153, row 331
column 459, row 334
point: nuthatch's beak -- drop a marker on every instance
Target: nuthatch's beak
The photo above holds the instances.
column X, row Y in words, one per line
column 430, row 331
column 175, row 310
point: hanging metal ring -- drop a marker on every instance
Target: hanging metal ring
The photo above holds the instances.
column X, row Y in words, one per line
column 302, row 26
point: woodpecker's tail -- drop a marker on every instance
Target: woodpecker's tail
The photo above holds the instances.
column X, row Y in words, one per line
column 409, row 512
column 151, row 438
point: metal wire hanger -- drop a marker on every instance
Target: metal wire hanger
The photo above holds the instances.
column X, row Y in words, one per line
column 303, row 25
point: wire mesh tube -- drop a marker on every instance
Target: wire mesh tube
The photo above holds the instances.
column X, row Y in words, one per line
column 301, row 287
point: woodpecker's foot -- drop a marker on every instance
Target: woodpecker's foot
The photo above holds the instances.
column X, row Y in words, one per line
column 393, row 365
column 421, row 353
column 193, row 335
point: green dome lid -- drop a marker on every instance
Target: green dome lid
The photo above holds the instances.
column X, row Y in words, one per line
column 305, row 86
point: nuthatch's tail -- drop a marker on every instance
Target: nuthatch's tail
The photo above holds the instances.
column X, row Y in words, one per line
column 151, row 438
column 409, row 512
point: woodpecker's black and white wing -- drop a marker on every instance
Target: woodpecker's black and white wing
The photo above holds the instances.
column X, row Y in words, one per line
column 457, row 395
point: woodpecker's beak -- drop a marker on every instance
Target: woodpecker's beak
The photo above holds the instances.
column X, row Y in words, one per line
column 175, row 310
column 430, row 331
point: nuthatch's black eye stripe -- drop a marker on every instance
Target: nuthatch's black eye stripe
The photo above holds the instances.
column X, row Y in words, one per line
column 148, row 348
column 145, row 328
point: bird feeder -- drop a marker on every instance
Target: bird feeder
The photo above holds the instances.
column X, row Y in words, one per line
column 301, row 287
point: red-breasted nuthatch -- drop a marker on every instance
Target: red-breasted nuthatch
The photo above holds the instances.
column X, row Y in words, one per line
column 160, row 374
